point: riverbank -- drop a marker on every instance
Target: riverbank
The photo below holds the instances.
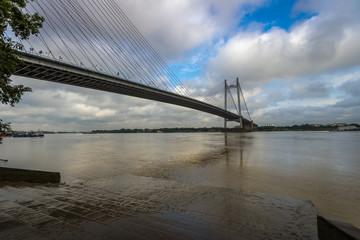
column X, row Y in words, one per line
column 133, row 207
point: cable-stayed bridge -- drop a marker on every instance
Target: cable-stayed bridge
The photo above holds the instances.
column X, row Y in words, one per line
column 93, row 44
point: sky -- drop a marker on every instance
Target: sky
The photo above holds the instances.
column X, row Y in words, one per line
column 297, row 62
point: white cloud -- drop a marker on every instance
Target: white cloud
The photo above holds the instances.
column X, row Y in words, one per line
column 315, row 46
column 88, row 112
column 176, row 27
column 59, row 107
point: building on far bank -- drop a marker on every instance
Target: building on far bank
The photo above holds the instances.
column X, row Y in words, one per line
column 347, row 128
column 337, row 124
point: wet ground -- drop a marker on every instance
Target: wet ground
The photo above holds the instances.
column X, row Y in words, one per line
column 135, row 207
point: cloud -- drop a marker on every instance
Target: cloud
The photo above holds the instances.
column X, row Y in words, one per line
column 58, row 107
column 310, row 90
column 352, row 87
column 308, row 100
column 328, row 41
column 178, row 27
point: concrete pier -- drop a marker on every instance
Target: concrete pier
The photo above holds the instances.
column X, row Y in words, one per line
column 30, row 176
column 331, row 229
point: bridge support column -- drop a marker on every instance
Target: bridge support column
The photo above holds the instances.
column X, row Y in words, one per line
column 226, row 89
column 238, row 91
column 239, row 105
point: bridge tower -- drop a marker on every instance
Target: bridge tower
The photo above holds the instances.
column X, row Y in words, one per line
column 238, row 91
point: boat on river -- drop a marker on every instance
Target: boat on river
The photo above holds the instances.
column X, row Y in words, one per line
column 22, row 134
column 29, row 134
column 5, row 134
column 36, row 134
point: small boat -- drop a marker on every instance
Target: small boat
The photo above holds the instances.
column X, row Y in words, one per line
column 5, row 134
column 21, row 135
column 29, row 134
column 36, row 134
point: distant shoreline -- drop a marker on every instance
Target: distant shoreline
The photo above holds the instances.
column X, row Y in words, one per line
column 303, row 127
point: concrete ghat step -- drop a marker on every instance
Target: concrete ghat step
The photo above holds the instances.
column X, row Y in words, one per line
column 132, row 207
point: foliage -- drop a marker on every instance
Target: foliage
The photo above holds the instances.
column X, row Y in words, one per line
column 4, row 128
column 304, row 127
column 13, row 18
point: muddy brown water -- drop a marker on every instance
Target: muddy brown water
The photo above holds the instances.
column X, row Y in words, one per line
column 319, row 166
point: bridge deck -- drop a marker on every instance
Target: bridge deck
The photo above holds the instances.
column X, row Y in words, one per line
column 43, row 68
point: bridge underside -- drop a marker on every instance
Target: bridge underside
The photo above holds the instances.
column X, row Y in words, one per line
column 47, row 69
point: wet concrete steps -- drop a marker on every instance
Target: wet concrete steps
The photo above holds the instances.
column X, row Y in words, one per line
column 132, row 207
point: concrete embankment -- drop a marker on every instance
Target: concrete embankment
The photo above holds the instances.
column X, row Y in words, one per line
column 30, row 176
column 134, row 207
column 331, row 229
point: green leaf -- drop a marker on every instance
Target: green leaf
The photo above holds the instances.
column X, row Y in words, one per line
column 23, row 25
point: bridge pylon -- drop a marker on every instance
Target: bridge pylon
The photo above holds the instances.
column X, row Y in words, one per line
column 238, row 91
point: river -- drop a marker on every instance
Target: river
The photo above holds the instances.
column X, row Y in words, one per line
column 322, row 167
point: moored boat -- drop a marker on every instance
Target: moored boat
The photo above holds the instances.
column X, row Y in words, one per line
column 29, row 134
column 36, row 134
column 21, row 134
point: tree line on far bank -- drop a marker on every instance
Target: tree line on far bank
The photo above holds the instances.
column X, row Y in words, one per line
column 303, row 127
column 165, row 130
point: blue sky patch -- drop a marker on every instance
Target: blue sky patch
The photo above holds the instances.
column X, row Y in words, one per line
column 186, row 71
column 276, row 13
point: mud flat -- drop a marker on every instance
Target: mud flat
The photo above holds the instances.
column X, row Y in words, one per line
column 133, row 207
